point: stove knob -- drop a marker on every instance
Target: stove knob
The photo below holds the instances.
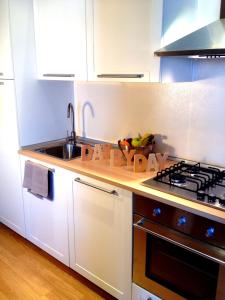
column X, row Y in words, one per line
column 210, row 232
column 156, row 212
column 200, row 195
column 222, row 200
column 211, row 198
column 182, row 221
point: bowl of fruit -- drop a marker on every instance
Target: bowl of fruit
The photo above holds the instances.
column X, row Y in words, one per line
column 143, row 144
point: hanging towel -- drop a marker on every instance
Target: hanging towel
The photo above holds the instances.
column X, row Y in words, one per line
column 40, row 180
column 36, row 179
column 28, row 171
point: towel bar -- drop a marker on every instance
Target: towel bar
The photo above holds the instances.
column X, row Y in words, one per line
column 50, row 169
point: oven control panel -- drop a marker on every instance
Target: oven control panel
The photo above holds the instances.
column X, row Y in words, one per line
column 139, row 293
column 180, row 220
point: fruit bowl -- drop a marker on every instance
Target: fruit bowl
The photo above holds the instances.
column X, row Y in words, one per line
column 144, row 150
column 141, row 144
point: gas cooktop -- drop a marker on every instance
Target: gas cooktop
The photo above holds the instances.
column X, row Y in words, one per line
column 192, row 181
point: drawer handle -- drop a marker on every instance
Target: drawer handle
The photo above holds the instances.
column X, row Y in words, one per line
column 58, row 75
column 1, row 83
column 1, row 74
column 112, row 192
column 120, row 75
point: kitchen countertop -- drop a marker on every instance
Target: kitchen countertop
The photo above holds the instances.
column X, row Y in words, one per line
column 125, row 178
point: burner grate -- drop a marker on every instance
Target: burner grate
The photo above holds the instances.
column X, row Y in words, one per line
column 193, row 181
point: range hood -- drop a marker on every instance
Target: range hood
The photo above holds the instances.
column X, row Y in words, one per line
column 208, row 41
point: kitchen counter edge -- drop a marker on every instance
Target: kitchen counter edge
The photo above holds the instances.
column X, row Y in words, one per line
column 124, row 177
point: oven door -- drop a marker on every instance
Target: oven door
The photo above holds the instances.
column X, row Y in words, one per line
column 174, row 266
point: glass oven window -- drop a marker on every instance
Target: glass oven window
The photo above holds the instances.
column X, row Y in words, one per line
column 186, row 273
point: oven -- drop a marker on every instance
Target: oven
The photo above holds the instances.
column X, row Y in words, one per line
column 177, row 254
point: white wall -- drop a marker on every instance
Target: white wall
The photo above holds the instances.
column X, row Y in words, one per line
column 42, row 111
column 188, row 118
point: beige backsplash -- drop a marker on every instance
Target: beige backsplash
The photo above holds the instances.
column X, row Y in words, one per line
column 187, row 118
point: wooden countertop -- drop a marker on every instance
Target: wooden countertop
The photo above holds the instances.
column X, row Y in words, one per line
column 125, row 178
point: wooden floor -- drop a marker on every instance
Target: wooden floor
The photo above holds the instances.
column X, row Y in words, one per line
column 28, row 273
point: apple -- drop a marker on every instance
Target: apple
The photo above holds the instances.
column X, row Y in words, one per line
column 124, row 143
column 136, row 142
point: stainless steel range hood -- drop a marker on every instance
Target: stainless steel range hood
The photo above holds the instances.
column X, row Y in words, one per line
column 208, row 41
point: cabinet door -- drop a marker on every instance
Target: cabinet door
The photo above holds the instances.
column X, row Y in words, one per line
column 103, row 230
column 122, row 36
column 47, row 220
column 6, row 68
column 60, row 39
column 11, row 202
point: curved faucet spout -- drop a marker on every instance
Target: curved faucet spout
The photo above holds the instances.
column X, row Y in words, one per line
column 83, row 110
column 70, row 113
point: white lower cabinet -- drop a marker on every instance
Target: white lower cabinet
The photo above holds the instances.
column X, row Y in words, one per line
column 47, row 220
column 87, row 226
column 139, row 293
column 102, row 244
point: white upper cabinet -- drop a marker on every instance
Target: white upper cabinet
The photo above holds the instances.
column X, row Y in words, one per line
column 122, row 37
column 6, row 66
column 60, row 34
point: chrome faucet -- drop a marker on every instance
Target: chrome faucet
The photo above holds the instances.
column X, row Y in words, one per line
column 70, row 113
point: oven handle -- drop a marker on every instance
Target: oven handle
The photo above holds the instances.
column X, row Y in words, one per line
column 206, row 250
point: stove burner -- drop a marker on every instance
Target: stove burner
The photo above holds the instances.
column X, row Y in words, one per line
column 178, row 178
column 194, row 170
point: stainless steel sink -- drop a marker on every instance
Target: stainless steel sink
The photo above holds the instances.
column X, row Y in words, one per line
column 65, row 151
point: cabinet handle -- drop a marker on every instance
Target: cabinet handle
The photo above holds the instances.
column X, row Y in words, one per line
column 58, row 75
column 112, row 192
column 120, row 75
column 1, row 74
column 1, row 83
